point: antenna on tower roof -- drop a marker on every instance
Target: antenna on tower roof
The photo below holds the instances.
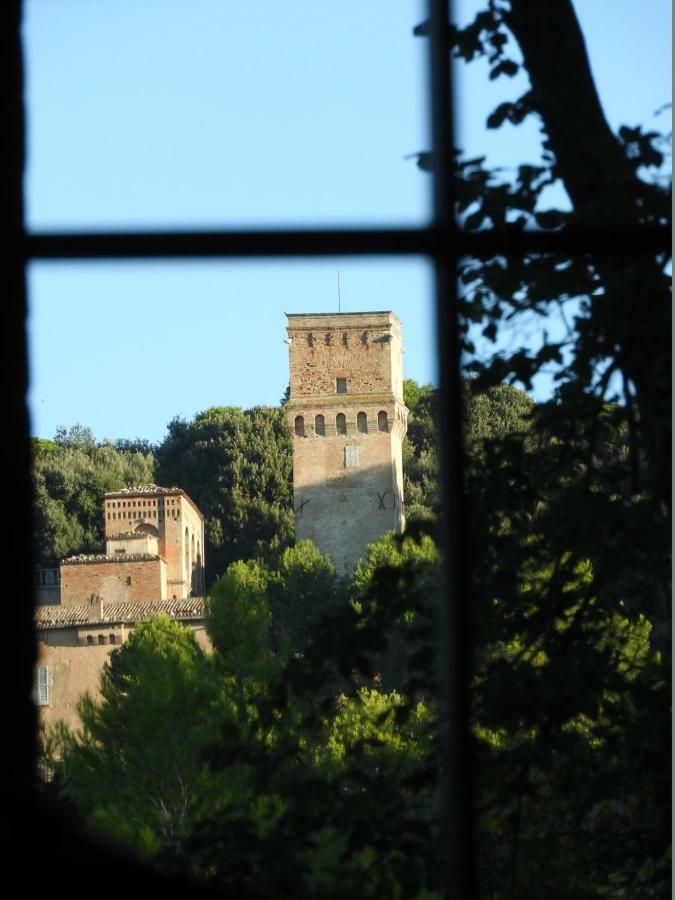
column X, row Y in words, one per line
column 338, row 285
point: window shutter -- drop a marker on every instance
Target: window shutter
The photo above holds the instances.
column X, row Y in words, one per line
column 351, row 457
column 42, row 685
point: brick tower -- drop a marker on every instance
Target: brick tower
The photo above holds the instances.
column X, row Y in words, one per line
column 172, row 524
column 348, row 421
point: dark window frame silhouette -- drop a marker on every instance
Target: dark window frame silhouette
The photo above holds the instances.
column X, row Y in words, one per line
column 442, row 242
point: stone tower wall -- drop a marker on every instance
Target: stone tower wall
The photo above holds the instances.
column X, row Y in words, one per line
column 347, row 471
column 363, row 348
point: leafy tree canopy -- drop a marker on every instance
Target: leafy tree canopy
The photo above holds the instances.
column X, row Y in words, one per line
column 236, row 465
column 567, row 519
column 70, row 477
column 134, row 769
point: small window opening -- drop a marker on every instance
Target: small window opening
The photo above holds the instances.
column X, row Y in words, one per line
column 362, row 423
column 320, row 425
column 300, row 426
column 341, row 386
column 101, row 639
column 341, row 423
column 382, row 423
column 90, row 640
column 351, row 457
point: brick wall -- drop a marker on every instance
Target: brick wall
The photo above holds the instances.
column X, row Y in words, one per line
column 139, row 543
column 113, row 580
column 125, row 513
column 364, row 348
column 172, row 548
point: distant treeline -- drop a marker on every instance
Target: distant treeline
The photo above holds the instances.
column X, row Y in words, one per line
column 237, row 466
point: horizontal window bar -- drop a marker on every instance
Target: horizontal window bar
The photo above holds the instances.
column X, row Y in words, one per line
column 348, row 242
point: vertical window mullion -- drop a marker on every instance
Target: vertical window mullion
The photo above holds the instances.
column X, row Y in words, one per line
column 454, row 652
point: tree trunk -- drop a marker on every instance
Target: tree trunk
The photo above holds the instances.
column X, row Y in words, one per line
column 632, row 319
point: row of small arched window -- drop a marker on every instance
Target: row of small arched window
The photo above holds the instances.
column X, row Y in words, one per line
column 111, row 639
column 341, row 424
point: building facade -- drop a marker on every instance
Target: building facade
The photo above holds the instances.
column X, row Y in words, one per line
column 153, row 563
column 348, row 420
column 154, row 550
column 75, row 641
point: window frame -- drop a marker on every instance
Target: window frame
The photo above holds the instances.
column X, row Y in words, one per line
column 441, row 242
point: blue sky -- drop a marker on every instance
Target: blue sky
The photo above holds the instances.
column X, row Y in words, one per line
column 247, row 113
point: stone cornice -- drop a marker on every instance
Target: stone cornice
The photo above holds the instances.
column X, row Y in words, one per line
column 305, row 321
column 118, row 613
column 338, row 401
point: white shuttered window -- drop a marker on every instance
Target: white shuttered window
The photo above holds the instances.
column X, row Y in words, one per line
column 41, row 685
column 351, row 457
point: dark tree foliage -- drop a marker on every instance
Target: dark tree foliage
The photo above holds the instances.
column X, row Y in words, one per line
column 357, row 815
column 236, row 465
column 490, row 414
column 570, row 688
column 275, row 766
column 71, row 474
column 569, row 533
column 420, row 452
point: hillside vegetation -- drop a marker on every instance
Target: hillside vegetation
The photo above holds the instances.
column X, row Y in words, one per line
column 299, row 758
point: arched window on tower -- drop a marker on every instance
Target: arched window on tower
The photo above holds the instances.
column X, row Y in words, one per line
column 300, row 426
column 341, row 423
column 187, row 555
column 382, row 423
column 320, row 426
column 362, row 423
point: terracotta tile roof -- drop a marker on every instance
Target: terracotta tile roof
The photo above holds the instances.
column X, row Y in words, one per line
column 150, row 490
column 144, row 489
column 56, row 616
column 102, row 557
column 192, row 608
column 130, row 611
